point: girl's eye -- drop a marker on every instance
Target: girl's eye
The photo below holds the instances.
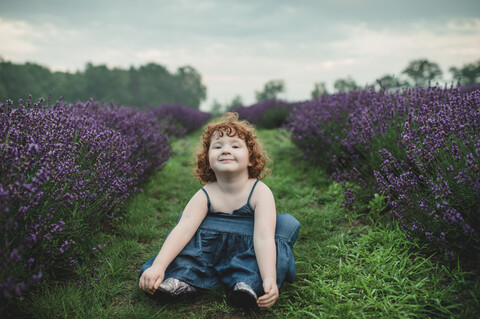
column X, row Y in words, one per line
column 236, row 146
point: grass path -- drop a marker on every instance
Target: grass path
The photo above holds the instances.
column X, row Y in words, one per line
column 346, row 268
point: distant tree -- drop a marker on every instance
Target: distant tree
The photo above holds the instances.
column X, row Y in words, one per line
column 149, row 85
column 3, row 93
column 270, row 90
column 216, row 108
column 422, row 71
column 10, row 79
column 389, row 82
column 345, row 85
column 133, row 86
column 236, row 102
column 319, row 89
column 193, row 90
column 18, row 81
column 468, row 74
column 101, row 83
column 152, row 85
column 72, row 87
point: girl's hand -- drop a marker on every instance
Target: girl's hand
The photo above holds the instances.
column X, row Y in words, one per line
column 150, row 280
column 271, row 293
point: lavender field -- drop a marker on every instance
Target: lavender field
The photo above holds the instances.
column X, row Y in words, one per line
column 418, row 148
column 66, row 170
column 409, row 157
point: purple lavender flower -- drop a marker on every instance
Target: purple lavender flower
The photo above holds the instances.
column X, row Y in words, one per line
column 180, row 119
column 266, row 114
column 420, row 147
column 65, row 164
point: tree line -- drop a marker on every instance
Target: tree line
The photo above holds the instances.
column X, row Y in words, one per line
column 146, row 86
column 152, row 84
column 418, row 72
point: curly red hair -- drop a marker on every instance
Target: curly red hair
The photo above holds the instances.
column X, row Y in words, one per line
column 230, row 125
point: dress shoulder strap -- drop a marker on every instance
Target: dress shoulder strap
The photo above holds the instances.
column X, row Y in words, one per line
column 208, row 198
column 251, row 192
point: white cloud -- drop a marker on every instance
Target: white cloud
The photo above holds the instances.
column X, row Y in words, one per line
column 22, row 41
column 467, row 26
column 153, row 55
column 16, row 37
column 363, row 53
column 448, row 46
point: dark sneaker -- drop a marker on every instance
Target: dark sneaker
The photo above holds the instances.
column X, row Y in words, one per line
column 243, row 296
column 176, row 287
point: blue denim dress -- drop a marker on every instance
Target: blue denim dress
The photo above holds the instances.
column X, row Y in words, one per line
column 221, row 251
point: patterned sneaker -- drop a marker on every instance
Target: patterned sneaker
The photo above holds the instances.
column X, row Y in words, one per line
column 176, row 287
column 243, row 296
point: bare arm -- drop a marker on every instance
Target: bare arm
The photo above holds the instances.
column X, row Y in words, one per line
column 182, row 233
column 264, row 243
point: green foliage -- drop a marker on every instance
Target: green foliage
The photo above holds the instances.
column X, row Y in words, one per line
column 422, row 71
column 319, row 89
column 216, row 108
column 468, row 74
column 345, row 85
column 149, row 85
column 17, row 81
column 271, row 90
column 390, row 82
column 274, row 117
column 377, row 206
column 190, row 82
column 236, row 102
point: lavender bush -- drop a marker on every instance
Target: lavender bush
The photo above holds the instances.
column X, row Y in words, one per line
column 418, row 147
column 183, row 119
column 65, row 170
column 265, row 114
column 435, row 192
column 318, row 126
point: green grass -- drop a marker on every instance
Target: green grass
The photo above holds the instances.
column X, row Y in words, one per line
column 347, row 267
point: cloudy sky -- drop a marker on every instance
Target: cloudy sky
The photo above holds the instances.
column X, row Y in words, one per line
column 237, row 46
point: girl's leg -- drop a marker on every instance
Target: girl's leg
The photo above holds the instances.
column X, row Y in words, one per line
column 288, row 228
column 185, row 267
column 239, row 271
column 286, row 234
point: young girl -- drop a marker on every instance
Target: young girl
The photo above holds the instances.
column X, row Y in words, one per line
column 229, row 233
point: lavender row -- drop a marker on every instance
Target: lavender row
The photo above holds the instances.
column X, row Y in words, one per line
column 419, row 147
column 65, row 171
column 183, row 119
column 266, row 114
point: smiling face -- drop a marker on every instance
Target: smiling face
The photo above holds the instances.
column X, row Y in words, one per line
column 228, row 154
column 229, row 125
